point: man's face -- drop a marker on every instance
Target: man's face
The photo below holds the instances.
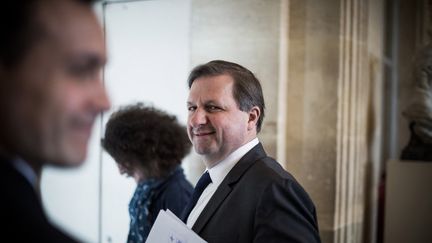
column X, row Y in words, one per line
column 216, row 126
column 55, row 93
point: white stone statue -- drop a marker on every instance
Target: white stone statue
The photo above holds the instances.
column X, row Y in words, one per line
column 419, row 111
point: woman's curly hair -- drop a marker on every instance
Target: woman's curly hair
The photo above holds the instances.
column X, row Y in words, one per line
column 139, row 136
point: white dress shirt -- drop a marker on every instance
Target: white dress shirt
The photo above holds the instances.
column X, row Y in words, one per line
column 217, row 174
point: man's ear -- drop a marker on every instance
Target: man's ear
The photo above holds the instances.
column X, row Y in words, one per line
column 254, row 115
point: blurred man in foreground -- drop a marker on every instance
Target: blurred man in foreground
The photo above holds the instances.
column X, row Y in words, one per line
column 52, row 52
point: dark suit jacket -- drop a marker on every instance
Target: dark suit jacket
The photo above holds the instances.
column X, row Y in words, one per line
column 173, row 194
column 21, row 213
column 258, row 201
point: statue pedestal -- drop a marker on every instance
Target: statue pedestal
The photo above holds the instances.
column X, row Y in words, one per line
column 408, row 206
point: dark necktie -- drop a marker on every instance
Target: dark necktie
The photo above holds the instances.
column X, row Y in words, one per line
column 199, row 188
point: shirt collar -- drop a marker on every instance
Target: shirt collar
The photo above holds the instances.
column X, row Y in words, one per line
column 221, row 169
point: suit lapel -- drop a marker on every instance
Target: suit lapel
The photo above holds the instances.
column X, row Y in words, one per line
column 227, row 185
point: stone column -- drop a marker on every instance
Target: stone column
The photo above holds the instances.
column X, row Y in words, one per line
column 329, row 106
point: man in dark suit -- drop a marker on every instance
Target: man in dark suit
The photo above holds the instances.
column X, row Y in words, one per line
column 52, row 52
column 250, row 197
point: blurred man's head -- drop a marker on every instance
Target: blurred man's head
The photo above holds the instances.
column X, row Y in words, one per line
column 50, row 82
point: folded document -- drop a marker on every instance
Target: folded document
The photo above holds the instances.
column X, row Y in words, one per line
column 169, row 229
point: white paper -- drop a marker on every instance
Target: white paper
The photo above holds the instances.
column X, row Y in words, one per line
column 169, row 229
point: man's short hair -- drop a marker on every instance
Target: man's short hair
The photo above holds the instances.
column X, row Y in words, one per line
column 247, row 91
column 19, row 29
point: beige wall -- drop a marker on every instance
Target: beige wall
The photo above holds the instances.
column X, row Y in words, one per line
column 312, row 103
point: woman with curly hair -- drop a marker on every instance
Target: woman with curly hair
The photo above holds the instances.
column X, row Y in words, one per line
column 149, row 145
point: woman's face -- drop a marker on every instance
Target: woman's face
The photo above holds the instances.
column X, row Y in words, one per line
column 136, row 173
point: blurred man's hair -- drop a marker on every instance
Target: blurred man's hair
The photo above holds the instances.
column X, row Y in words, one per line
column 19, row 28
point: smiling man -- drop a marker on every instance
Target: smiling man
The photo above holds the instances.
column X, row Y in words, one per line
column 248, row 196
column 52, row 52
